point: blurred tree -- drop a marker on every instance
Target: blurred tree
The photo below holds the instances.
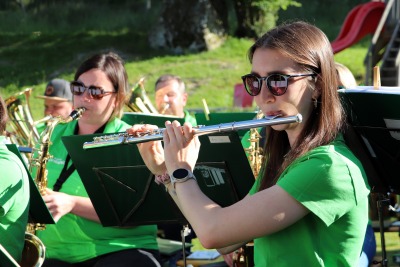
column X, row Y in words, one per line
column 258, row 16
column 188, row 25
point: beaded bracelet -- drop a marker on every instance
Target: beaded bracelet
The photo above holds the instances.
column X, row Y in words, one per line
column 162, row 179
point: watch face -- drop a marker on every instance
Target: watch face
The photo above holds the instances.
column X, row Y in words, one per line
column 180, row 173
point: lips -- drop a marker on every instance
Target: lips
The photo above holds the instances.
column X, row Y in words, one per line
column 274, row 113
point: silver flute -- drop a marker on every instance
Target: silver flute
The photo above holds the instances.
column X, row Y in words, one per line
column 155, row 135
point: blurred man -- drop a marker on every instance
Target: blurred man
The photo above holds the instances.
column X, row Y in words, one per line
column 57, row 98
column 171, row 97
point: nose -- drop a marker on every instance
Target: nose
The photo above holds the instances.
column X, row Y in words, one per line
column 266, row 94
column 166, row 98
column 86, row 96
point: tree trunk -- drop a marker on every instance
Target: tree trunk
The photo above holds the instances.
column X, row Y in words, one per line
column 187, row 25
column 246, row 16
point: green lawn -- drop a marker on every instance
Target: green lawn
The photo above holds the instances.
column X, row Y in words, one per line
column 35, row 47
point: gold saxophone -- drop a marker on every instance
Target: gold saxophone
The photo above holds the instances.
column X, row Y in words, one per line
column 139, row 101
column 34, row 250
column 255, row 153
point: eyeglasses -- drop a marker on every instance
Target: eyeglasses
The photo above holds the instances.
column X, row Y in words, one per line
column 78, row 88
column 276, row 83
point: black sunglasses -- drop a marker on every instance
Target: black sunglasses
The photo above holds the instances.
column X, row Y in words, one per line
column 78, row 88
column 276, row 83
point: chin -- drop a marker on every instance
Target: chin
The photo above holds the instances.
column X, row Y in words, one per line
column 280, row 127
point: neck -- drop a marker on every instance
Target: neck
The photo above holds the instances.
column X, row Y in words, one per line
column 87, row 128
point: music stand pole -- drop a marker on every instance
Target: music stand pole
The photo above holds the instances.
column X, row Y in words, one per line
column 380, row 202
column 184, row 232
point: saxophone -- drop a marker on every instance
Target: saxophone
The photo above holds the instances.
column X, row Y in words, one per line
column 255, row 151
column 34, row 250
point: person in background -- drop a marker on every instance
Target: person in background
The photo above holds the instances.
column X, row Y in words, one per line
column 57, row 98
column 78, row 239
column 347, row 80
column 57, row 101
column 346, row 77
column 171, row 97
column 14, row 195
column 310, row 206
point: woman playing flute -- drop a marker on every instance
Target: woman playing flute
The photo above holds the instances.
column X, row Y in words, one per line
column 309, row 205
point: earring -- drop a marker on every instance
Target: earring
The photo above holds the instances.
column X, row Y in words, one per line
column 315, row 103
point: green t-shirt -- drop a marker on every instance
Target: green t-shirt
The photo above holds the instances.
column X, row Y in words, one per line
column 190, row 118
column 14, row 201
column 331, row 183
column 73, row 238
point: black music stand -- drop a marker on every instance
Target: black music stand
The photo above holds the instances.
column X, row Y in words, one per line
column 6, row 260
column 123, row 190
column 38, row 211
column 374, row 136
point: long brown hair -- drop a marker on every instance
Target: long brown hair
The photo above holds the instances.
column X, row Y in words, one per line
column 113, row 66
column 309, row 47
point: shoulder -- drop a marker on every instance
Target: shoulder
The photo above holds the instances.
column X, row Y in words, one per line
column 11, row 166
column 325, row 166
column 64, row 128
column 116, row 125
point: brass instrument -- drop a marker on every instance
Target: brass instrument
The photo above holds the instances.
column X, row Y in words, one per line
column 243, row 257
column 139, row 101
column 43, row 153
column 124, row 138
column 34, row 250
column 255, row 151
column 23, row 131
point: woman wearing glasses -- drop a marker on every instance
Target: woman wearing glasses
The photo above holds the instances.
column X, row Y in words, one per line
column 309, row 205
column 78, row 238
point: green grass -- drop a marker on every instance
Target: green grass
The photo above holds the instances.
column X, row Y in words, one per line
column 392, row 244
column 36, row 47
column 209, row 75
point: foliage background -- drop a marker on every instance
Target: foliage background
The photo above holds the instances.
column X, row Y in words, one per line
column 44, row 39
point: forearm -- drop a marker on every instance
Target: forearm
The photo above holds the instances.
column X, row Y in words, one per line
column 231, row 248
column 198, row 209
column 83, row 207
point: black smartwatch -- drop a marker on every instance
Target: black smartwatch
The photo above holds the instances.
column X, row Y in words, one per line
column 180, row 176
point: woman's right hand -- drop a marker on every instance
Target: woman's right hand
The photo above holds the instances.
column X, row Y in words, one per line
column 152, row 152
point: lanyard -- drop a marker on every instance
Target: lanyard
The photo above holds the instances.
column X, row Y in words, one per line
column 67, row 171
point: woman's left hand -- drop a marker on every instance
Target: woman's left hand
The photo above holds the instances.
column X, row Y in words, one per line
column 181, row 146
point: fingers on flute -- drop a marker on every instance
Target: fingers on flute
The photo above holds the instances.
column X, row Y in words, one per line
column 135, row 128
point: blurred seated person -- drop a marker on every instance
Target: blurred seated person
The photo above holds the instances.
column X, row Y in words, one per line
column 57, row 100
column 171, row 97
column 14, row 195
column 346, row 77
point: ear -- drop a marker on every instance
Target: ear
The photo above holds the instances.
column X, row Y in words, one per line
column 318, row 85
column 184, row 98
